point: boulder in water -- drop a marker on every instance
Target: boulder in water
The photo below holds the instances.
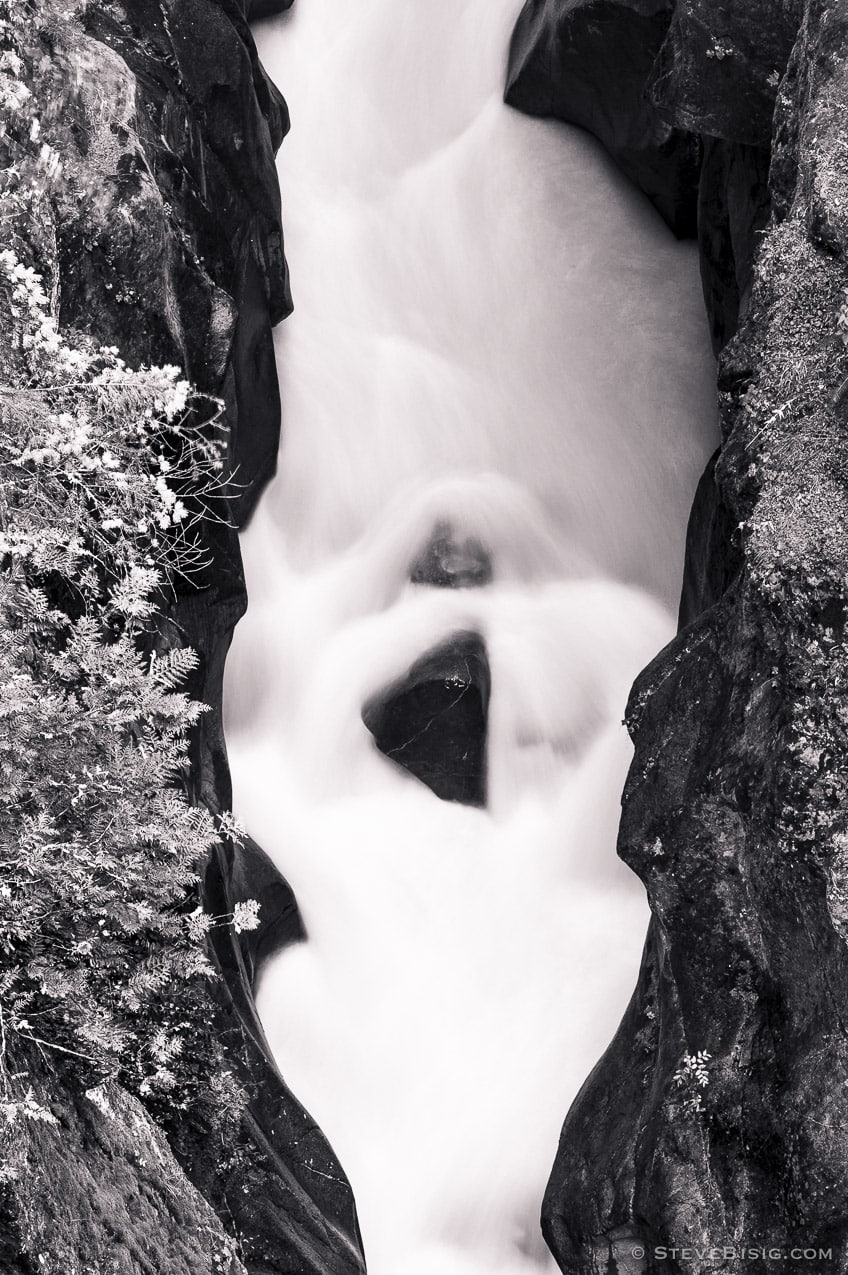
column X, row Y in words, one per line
column 433, row 722
column 452, row 561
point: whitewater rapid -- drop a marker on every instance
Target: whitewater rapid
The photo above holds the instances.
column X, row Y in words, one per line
column 491, row 329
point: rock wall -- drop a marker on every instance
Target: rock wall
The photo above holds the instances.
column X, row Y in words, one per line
column 681, row 95
column 714, row 1121
column 105, row 1195
column 713, row 1127
column 164, row 239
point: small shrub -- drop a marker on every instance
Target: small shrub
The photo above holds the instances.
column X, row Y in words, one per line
column 107, row 475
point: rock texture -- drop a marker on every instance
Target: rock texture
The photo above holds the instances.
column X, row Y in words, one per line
column 433, row 722
column 681, row 95
column 714, row 1124
column 106, row 1195
column 588, row 63
column 165, row 240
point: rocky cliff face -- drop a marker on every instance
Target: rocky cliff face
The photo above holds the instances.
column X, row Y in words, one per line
column 713, row 1125
column 164, row 239
column 715, row 1119
column 682, row 96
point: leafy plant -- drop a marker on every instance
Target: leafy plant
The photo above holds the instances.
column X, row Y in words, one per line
column 690, row 1079
column 107, row 476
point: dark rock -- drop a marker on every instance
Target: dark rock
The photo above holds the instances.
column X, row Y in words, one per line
column 719, row 67
column 733, row 211
column 291, row 1199
column 432, row 722
column 734, row 813
column 265, row 8
column 450, row 561
column 211, row 279
column 589, row 62
column 711, row 555
column 166, row 241
column 681, row 94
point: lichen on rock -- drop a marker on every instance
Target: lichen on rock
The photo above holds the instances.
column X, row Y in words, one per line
column 97, row 1191
column 735, row 806
column 151, row 216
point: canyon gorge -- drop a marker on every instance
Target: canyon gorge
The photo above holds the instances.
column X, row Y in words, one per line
column 518, row 237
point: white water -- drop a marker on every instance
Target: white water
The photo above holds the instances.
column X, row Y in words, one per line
column 490, row 327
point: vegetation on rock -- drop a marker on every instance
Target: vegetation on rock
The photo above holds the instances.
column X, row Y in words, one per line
column 106, row 475
column 139, row 209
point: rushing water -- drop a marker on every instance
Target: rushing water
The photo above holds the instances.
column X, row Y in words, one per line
column 493, row 329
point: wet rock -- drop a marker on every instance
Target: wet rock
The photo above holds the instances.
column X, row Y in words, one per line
column 588, row 62
column 211, row 277
column 265, row 8
column 452, row 561
column 733, row 210
column 433, row 721
column 166, row 241
column 712, row 558
column 718, row 70
column 710, row 1122
column 681, row 94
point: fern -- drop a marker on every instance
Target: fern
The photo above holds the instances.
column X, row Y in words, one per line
column 106, row 476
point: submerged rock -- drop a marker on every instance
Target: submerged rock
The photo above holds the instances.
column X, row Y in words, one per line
column 452, row 561
column 433, row 722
